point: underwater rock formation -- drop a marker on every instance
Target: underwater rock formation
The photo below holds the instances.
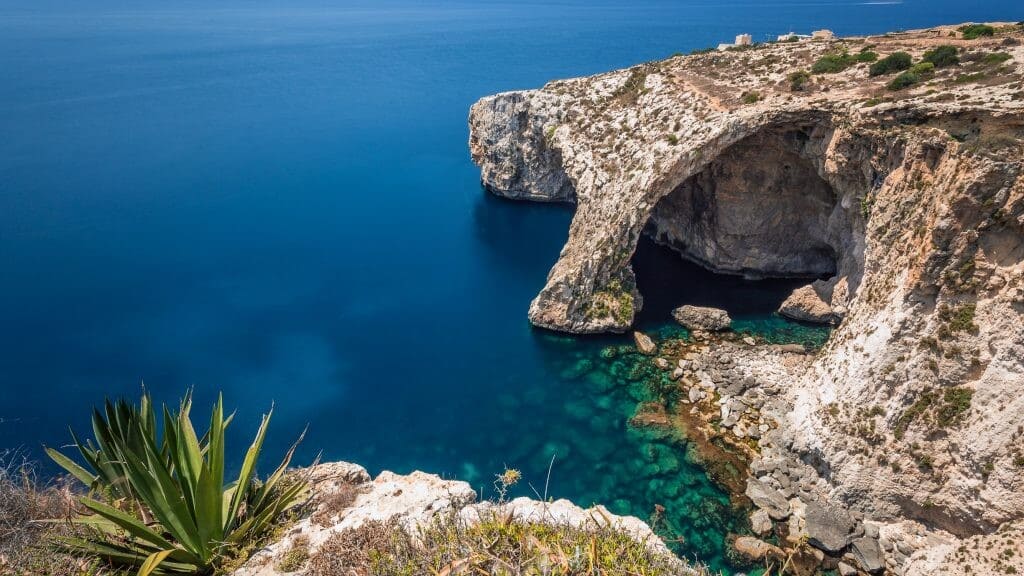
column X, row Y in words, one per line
column 906, row 206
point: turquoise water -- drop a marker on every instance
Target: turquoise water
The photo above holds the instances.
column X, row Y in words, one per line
column 275, row 200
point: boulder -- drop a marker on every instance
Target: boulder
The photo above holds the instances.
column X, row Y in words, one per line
column 702, row 318
column 644, row 343
column 753, row 549
column 767, row 498
column 828, row 527
column 806, row 305
column 868, row 554
column 760, row 522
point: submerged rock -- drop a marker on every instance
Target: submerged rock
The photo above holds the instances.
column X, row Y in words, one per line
column 702, row 318
column 644, row 343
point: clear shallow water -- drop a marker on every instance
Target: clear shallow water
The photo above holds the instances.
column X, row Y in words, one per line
column 275, row 200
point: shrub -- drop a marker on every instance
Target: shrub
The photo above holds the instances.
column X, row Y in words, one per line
column 162, row 506
column 798, row 80
column 867, row 56
column 974, row 31
column 751, row 97
column 994, row 58
column 922, row 68
column 30, row 518
column 832, row 63
column 894, row 62
column 942, row 56
column 904, row 80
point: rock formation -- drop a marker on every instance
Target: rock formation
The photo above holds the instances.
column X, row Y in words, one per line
column 344, row 497
column 702, row 318
column 907, row 206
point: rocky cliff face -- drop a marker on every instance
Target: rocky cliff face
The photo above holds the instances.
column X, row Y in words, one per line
column 908, row 206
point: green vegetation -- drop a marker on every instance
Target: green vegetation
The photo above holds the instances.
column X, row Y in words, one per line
column 941, row 411
column 922, row 68
column 959, row 319
column 158, row 503
column 904, row 80
column 974, row 31
column 894, row 62
column 832, row 63
column 956, row 402
column 942, row 56
column 867, row 56
column 751, row 97
column 798, row 80
column 497, row 544
column 672, row 139
column 994, row 58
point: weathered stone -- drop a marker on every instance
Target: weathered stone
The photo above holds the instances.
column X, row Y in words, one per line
column 868, row 554
column 767, row 498
column 661, row 363
column 753, row 549
column 827, row 527
column 760, row 522
column 806, row 305
column 644, row 343
column 846, row 570
column 702, row 318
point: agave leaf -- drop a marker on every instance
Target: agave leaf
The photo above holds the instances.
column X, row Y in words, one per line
column 271, row 483
column 163, row 498
column 127, row 522
column 248, row 468
column 153, row 561
column 72, row 467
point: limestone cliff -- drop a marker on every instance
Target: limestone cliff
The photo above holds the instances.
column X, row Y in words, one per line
column 908, row 204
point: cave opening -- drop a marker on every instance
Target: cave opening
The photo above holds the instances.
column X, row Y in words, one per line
column 758, row 222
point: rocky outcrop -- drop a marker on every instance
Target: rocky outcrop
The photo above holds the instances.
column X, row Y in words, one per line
column 909, row 205
column 344, row 497
column 807, row 305
column 702, row 318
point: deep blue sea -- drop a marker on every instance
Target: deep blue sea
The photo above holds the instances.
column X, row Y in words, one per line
column 275, row 200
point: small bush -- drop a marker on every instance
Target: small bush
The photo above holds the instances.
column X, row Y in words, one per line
column 922, row 68
column 867, row 56
column 672, row 139
column 751, row 97
column 798, row 80
column 894, row 62
column 832, row 63
column 942, row 56
column 904, row 80
column 974, row 31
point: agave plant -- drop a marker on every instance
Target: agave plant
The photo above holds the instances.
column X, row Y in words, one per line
column 159, row 503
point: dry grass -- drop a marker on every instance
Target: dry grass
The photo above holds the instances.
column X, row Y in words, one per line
column 494, row 545
column 32, row 513
column 336, row 502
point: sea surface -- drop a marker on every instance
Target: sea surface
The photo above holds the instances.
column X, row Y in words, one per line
column 275, row 200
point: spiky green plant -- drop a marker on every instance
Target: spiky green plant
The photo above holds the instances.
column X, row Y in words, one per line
column 159, row 503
